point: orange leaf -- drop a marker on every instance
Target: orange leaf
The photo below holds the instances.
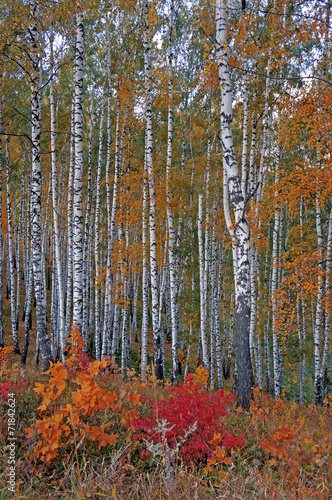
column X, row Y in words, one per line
column 135, row 399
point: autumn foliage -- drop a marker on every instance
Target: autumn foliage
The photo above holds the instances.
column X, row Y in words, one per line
column 85, row 411
column 193, row 412
column 72, row 401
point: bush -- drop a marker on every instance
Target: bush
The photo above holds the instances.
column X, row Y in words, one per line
column 190, row 406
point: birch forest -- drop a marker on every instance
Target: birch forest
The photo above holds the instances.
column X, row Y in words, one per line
column 166, row 215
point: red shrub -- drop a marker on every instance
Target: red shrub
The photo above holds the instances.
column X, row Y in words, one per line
column 189, row 404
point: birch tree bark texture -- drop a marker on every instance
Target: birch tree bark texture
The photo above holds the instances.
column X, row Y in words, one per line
column 152, row 211
column 11, row 254
column 242, row 284
column 55, row 206
column 36, row 233
column 78, row 175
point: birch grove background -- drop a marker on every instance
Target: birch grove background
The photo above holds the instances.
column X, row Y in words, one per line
column 165, row 183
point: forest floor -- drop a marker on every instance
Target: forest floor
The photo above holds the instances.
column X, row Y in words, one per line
column 81, row 432
column 93, row 435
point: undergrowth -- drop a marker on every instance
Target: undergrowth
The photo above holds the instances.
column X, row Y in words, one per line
column 83, row 432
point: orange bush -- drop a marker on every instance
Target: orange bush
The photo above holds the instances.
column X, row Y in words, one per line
column 70, row 398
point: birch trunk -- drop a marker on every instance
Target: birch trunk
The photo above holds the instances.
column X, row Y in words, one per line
column 203, row 340
column 242, row 282
column 145, row 279
column 107, row 307
column 169, row 196
column 303, row 337
column 230, row 338
column 152, row 212
column 87, row 237
column 274, row 280
column 36, row 229
column 55, row 207
column 27, row 312
column 78, row 176
column 319, row 308
column 19, row 237
column 245, row 135
column 10, row 255
column 69, row 283
column 97, row 216
column 326, row 339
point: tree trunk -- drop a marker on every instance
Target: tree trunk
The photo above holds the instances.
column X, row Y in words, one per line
column 55, row 207
column 158, row 362
column 78, row 176
column 241, row 233
column 36, row 232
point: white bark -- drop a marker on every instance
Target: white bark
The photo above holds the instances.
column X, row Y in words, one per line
column 97, row 216
column 86, row 328
column 19, row 237
column 108, row 284
column 303, row 330
column 27, row 312
column 78, row 177
column 152, row 212
column 203, row 340
column 169, row 196
column 274, row 265
column 326, row 338
column 319, row 307
column 69, row 283
column 55, row 207
column 242, row 282
column 145, row 279
column 36, row 233
column 10, row 254
column 245, row 134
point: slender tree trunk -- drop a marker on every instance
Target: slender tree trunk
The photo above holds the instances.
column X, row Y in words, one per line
column 87, row 237
column 108, row 284
column 27, row 312
column 169, row 196
column 230, row 338
column 242, row 282
column 78, row 176
column 55, row 207
column 36, row 229
column 10, row 255
column 326, row 338
column 319, row 308
column 303, row 337
column 69, row 283
column 97, row 217
column 145, row 279
column 19, row 237
column 203, row 340
column 245, row 135
column 152, row 212
column 274, row 276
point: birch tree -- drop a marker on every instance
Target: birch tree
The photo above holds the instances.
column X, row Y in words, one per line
column 36, row 226
column 242, row 281
column 78, row 174
column 55, row 206
column 152, row 197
